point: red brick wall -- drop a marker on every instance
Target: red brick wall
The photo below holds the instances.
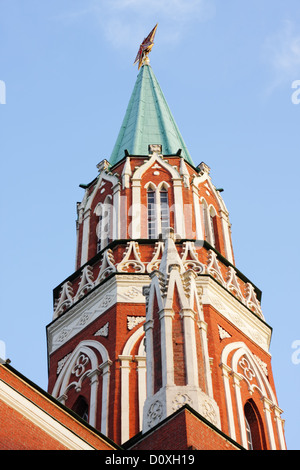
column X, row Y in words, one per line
column 18, row 432
column 184, row 431
column 216, row 346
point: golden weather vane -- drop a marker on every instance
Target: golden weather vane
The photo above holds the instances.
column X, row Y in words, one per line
column 145, row 47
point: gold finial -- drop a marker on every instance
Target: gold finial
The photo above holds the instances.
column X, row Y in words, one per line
column 145, row 48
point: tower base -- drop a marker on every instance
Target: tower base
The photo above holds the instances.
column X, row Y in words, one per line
column 169, row 399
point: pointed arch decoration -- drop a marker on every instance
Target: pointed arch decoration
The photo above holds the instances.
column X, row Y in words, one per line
column 136, row 196
column 88, row 360
column 131, row 259
column 204, row 178
column 156, row 258
column 65, row 300
column 107, row 266
column 86, row 211
column 232, row 284
column 104, row 212
column 237, row 364
column 190, row 258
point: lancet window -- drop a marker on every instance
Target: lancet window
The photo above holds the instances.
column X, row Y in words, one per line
column 81, row 408
column 151, row 213
column 210, row 224
column 157, row 209
column 103, row 210
column 253, row 427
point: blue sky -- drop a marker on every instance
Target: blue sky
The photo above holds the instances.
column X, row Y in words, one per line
column 66, row 74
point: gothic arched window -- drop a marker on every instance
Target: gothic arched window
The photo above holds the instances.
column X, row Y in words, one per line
column 254, row 427
column 214, row 236
column 164, row 211
column 158, row 211
column 151, row 213
column 81, row 408
column 104, row 212
column 209, row 217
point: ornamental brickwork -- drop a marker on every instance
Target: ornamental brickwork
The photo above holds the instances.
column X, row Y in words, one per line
column 157, row 318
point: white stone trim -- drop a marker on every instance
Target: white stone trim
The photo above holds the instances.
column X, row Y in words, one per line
column 126, row 359
column 116, row 289
column 125, row 392
column 261, row 384
column 86, row 208
column 136, row 196
column 279, row 426
column 197, row 213
column 234, row 311
column 62, row 384
column 226, row 372
column 85, row 236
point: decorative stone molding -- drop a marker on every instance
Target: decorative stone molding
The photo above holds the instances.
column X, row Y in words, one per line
column 157, row 254
column 63, row 335
column 132, row 321
column 84, row 319
column 132, row 292
column 262, row 364
column 65, row 299
column 209, row 412
column 155, row 413
column 131, row 259
column 86, row 283
column 223, row 333
column 62, row 362
column 103, row 331
column 180, row 400
column 203, row 168
column 80, row 365
column 251, row 300
column 248, row 372
column 236, row 312
column 190, row 258
column 107, row 266
column 213, row 267
column 232, row 284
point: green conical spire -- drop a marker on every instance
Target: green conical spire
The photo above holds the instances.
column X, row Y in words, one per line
column 148, row 120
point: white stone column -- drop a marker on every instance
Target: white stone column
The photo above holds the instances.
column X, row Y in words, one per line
column 142, row 386
column 241, row 418
column 279, row 426
column 116, row 212
column 190, row 347
column 197, row 210
column 105, row 367
column 167, row 358
column 148, row 327
column 267, row 410
column 178, row 208
column 93, row 396
column 85, row 236
column 226, row 372
column 202, row 325
column 226, row 234
column 135, row 210
column 125, row 371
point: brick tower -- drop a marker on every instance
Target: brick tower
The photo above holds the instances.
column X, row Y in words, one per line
column 157, row 318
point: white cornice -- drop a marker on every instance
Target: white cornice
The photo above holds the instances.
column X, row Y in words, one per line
column 234, row 311
column 122, row 288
